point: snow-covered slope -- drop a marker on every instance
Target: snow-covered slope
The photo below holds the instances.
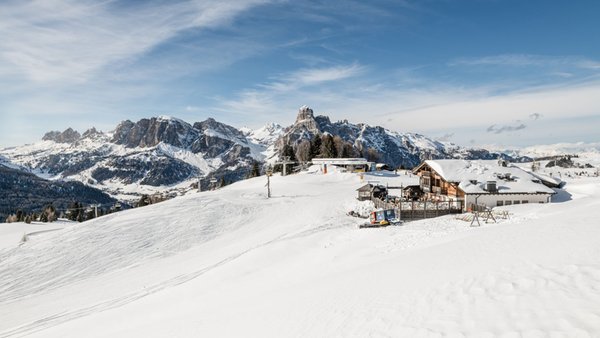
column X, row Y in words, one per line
column 232, row 263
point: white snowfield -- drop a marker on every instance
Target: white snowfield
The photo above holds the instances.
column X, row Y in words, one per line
column 231, row 263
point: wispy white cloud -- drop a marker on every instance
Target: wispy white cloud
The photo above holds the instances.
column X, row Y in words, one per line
column 313, row 76
column 524, row 60
column 431, row 107
column 69, row 40
column 271, row 98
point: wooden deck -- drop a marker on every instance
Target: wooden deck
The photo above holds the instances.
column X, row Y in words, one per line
column 415, row 210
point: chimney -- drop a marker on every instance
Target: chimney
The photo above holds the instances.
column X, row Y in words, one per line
column 490, row 186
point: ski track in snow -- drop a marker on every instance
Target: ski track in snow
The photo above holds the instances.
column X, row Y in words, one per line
column 367, row 283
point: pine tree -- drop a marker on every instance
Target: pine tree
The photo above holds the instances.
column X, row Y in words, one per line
column 20, row 216
column 48, row 214
column 288, row 151
column 73, row 211
column 222, row 183
column 255, row 171
column 144, row 200
column 315, row 147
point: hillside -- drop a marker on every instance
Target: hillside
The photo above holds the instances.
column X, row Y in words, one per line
column 232, row 263
column 30, row 193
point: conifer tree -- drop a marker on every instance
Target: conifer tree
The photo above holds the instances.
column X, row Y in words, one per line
column 20, row 216
column 315, row 147
column 144, row 200
column 73, row 211
column 288, row 151
column 255, row 171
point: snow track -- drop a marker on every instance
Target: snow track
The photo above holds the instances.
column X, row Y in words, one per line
column 232, row 263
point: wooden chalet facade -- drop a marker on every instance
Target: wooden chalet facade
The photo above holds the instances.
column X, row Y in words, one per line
column 434, row 185
column 488, row 183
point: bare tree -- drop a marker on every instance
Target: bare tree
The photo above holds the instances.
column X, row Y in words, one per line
column 372, row 155
column 303, row 151
column 338, row 143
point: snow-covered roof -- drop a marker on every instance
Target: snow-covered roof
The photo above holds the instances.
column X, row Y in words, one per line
column 340, row 161
column 472, row 176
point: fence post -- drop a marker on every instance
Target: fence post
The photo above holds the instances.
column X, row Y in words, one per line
column 425, row 210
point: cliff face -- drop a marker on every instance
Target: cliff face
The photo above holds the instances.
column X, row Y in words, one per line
column 394, row 148
column 160, row 153
column 67, row 136
column 151, row 132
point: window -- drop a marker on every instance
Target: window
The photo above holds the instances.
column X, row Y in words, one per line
column 507, row 202
column 499, row 203
column 524, row 201
column 517, row 202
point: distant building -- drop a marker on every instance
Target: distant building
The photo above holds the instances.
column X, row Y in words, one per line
column 350, row 164
column 482, row 182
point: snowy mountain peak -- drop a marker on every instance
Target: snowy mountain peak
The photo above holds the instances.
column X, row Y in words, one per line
column 164, row 153
column 266, row 135
column 67, row 136
column 305, row 114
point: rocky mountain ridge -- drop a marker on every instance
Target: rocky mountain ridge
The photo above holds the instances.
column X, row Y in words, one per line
column 393, row 148
column 162, row 154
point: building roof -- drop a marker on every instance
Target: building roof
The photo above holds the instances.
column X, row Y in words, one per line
column 371, row 187
column 340, row 161
column 472, row 176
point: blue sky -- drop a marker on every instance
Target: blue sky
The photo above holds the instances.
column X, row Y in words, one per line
column 485, row 72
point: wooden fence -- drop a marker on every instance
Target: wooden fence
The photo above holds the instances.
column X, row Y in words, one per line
column 414, row 210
